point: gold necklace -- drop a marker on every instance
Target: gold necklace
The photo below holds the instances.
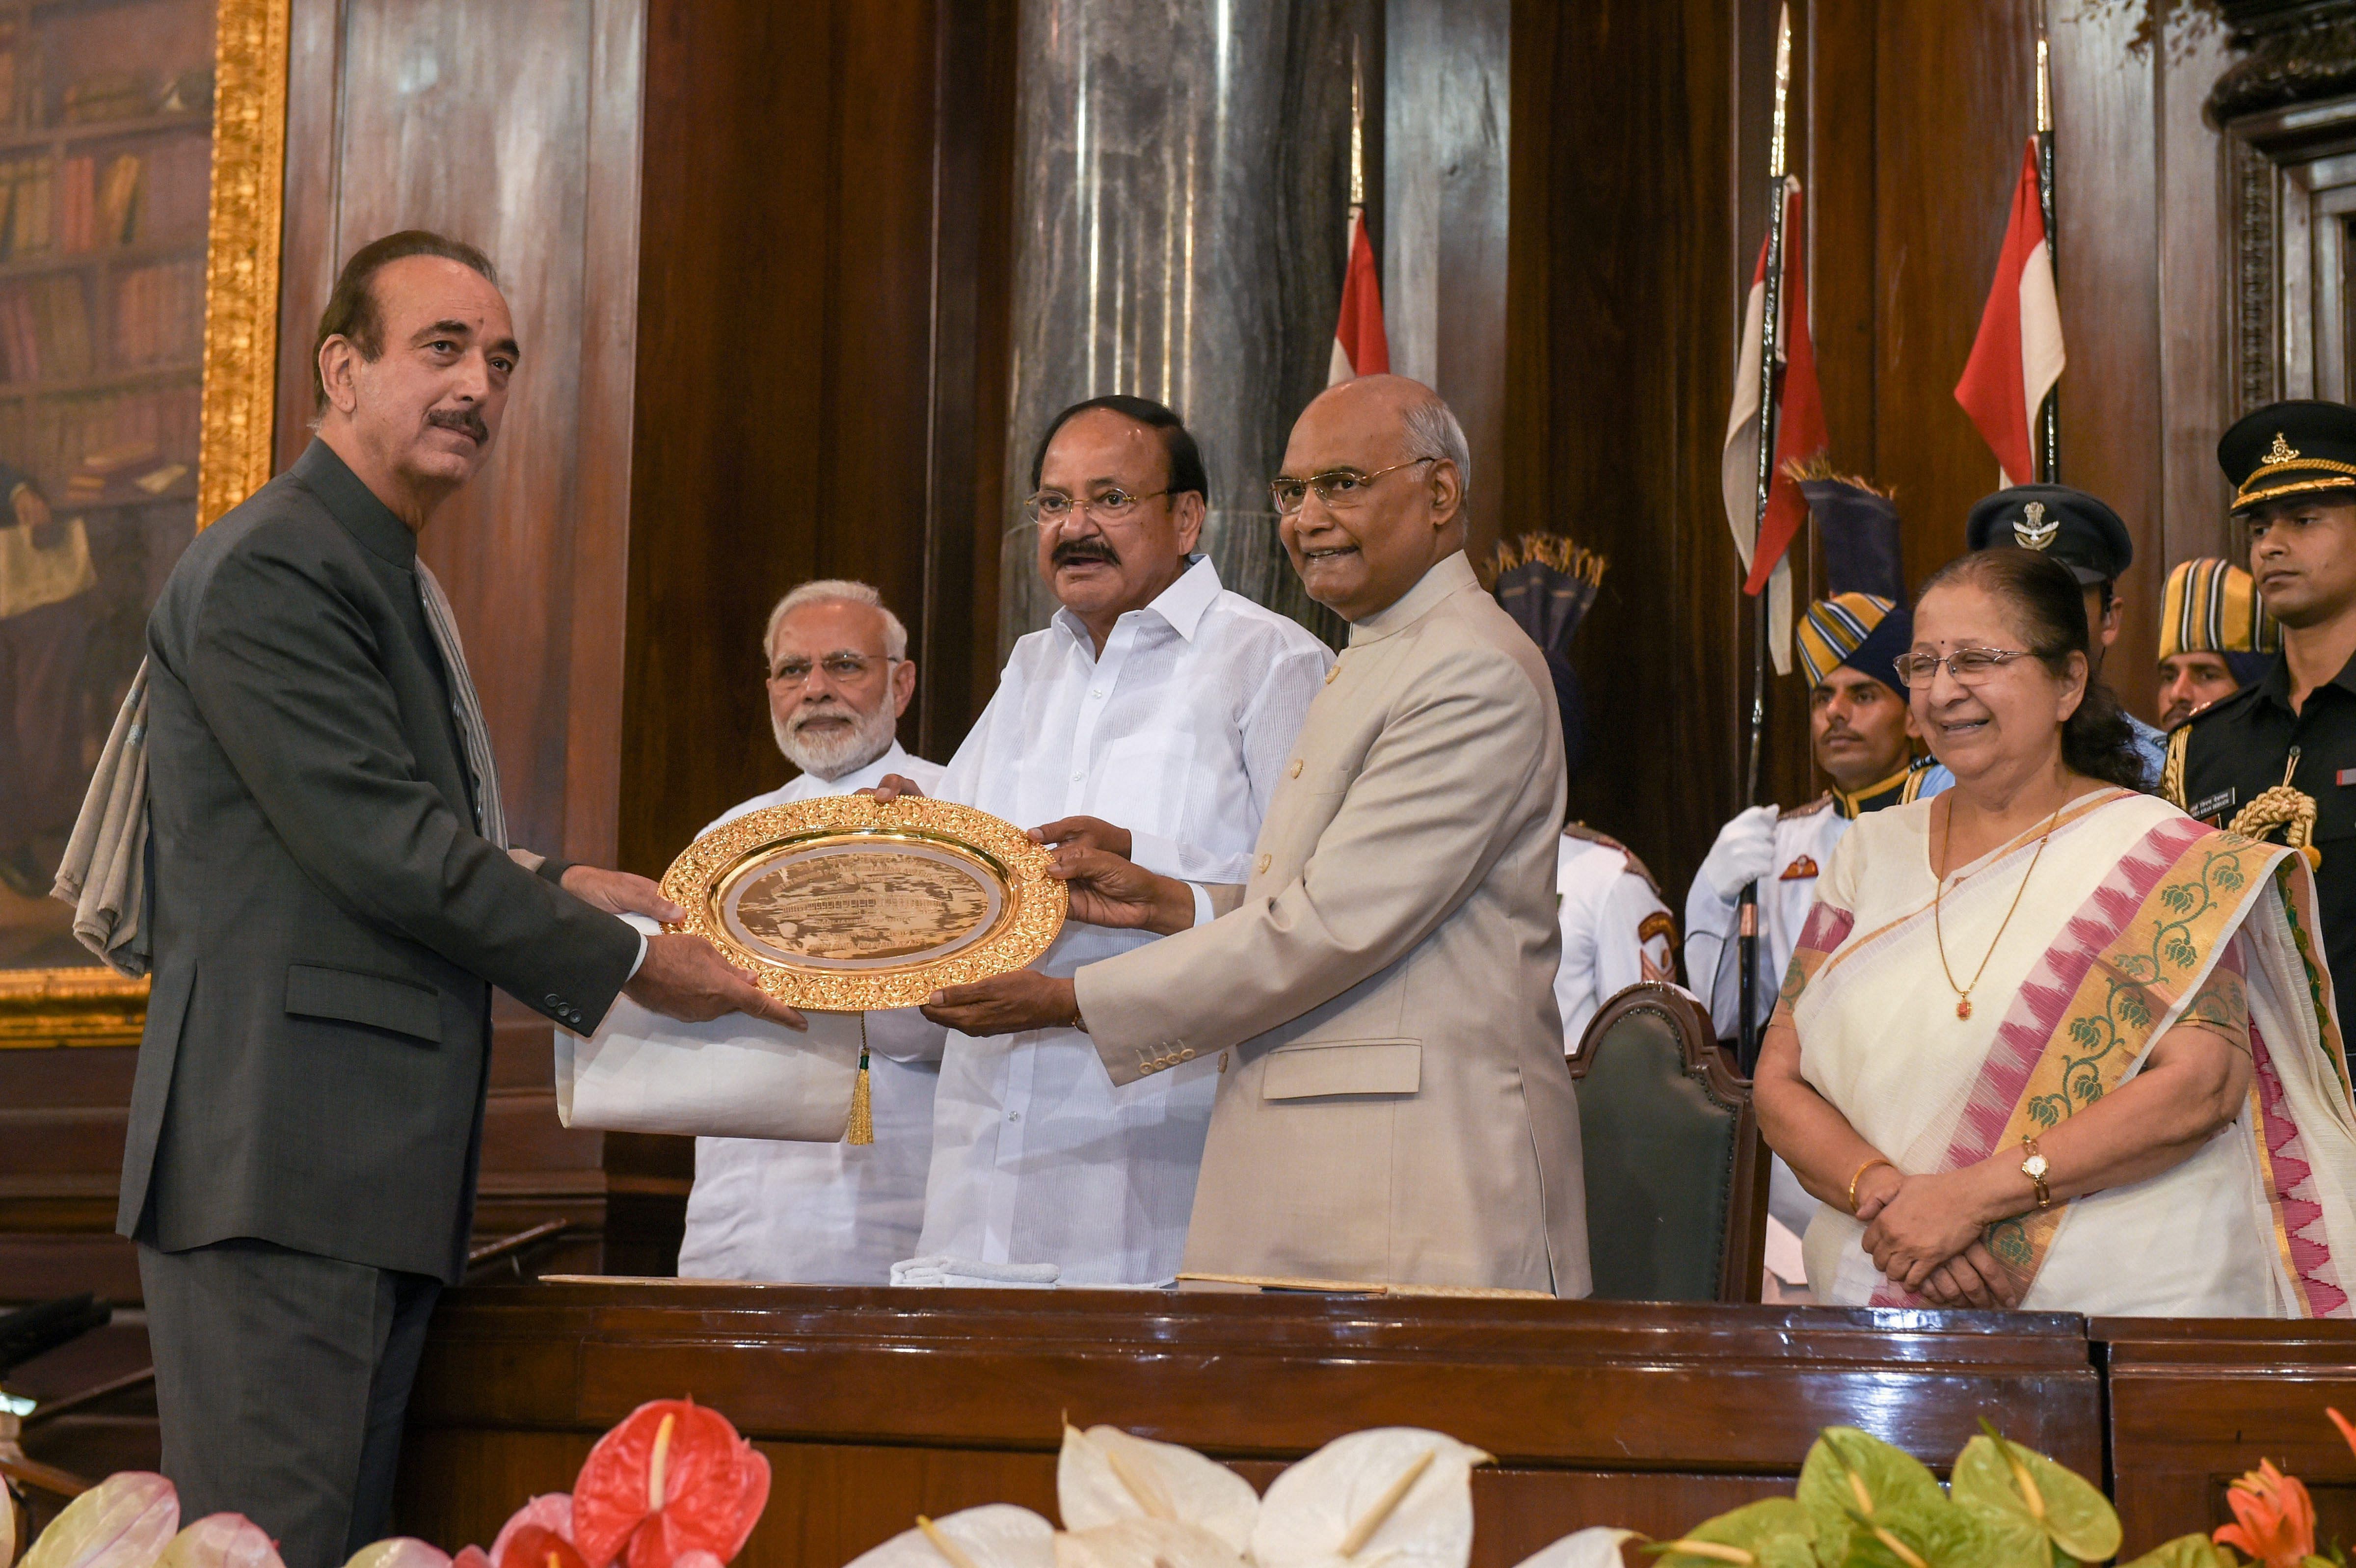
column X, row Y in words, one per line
column 1946, row 839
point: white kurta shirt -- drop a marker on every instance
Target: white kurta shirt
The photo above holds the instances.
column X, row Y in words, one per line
column 1179, row 732
column 825, row 1214
column 1615, row 930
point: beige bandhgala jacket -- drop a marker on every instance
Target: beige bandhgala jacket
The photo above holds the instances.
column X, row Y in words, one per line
column 1392, row 1103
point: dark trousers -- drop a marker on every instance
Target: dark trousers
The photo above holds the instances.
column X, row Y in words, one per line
column 281, row 1378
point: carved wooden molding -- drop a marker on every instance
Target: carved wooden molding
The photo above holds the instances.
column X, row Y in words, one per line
column 2300, row 50
column 70, row 1007
column 2253, row 283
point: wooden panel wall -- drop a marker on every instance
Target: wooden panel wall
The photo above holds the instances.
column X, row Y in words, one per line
column 1637, row 199
column 822, row 301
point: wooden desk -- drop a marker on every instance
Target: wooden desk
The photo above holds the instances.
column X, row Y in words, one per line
column 2196, row 1402
column 874, row 1406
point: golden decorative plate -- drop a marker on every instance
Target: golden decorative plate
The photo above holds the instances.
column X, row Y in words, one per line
column 842, row 904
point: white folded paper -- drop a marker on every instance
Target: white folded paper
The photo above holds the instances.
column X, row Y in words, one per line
column 734, row 1077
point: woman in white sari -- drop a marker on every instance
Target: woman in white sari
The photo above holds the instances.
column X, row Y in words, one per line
column 2047, row 1041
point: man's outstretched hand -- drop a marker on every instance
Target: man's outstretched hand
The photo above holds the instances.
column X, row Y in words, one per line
column 1087, row 832
column 684, row 977
column 620, row 892
column 1107, row 889
column 1005, row 1003
column 892, row 786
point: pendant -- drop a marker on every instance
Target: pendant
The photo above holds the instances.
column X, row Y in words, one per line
column 1963, row 1007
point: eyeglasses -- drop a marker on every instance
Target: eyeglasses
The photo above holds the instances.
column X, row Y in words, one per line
column 842, row 669
column 1970, row 667
column 1052, row 509
column 1341, row 487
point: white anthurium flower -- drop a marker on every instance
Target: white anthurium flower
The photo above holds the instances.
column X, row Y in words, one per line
column 1397, row 1497
column 1595, row 1547
column 999, row 1535
column 1145, row 1544
column 1105, row 1476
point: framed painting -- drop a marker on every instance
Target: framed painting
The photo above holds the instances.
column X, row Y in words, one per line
column 142, row 163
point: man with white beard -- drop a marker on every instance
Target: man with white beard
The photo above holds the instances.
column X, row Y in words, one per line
column 837, row 1213
column 1158, row 699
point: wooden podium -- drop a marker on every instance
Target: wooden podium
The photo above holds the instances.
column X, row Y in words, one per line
column 876, row 1405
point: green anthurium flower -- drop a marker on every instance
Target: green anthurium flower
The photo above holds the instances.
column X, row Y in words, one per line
column 1875, row 1506
column 2186, row 1552
column 2028, row 1502
column 1775, row 1533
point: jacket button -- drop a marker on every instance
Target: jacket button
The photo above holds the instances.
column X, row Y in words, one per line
column 1332, row 673
column 552, row 999
column 1296, row 767
column 1265, row 862
column 1187, row 1054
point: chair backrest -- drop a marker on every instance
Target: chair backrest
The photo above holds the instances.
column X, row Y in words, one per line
column 1676, row 1172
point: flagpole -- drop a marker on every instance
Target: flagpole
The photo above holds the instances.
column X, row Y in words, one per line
column 1770, row 335
column 2048, row 426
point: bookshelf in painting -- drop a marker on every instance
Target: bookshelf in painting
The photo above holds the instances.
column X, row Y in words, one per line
column 105, row 170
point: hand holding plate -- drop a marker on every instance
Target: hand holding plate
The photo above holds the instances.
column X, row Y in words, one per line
column 684, row 977
column 1107, row 889
column 893, row 786
column 620, row 892
column 1088, row 832
column 1005, row 1003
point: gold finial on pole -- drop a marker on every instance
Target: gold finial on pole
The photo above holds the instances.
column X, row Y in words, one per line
column 1776, row 166
column 1357, row 130
column 2044, row 75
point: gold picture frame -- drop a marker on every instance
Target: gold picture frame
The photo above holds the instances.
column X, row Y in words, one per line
column 90, row 1006
column 845, row 904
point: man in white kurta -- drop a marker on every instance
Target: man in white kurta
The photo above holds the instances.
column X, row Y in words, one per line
column 834, row 1214
column 1616, row 931
column 1178, row 728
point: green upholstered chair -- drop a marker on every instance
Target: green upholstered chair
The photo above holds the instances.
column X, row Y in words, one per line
column 1676, row 1172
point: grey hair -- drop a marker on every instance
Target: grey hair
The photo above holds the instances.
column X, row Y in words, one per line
column 838, row 590
column 1433, row 430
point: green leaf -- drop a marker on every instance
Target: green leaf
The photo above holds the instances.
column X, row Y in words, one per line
column 2186, row 1552
column 2056, row 1505
column 124, row 1521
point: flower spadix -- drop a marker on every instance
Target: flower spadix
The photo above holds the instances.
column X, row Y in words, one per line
column 1398, row 1495
column 999, row 1535
column 2030, row 1507
column 123, row 1521
column 1105, row 1476
column 221, row 1540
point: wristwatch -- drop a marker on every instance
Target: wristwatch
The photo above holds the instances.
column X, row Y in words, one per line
column 2035, row 1168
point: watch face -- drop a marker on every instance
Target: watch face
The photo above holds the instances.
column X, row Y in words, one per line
column 2033, row 1167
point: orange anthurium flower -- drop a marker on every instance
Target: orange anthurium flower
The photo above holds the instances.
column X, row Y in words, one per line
column 2274, row 1518
column 2347, row 1428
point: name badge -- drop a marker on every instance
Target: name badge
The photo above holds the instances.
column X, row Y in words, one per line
column 2222, row 801
column 2344, row 777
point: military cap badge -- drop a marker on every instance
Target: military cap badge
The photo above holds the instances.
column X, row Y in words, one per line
column 2032, row 531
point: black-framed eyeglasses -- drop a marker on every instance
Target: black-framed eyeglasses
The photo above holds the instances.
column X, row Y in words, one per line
column 842, row 669
column 1970, row 667
column 1052, row 509
column 1342, row 488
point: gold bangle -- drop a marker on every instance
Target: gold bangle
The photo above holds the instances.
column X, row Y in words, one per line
column 1861, row 1169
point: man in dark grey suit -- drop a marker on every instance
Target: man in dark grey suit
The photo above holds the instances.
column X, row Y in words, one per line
column 332, row 904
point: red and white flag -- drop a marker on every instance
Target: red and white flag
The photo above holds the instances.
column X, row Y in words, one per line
column 1360, row 349
column 2017, row 356
column 1799, row 433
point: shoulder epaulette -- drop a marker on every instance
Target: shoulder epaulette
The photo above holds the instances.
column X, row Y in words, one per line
column 1583, row 832
column 2172, row 772
column 1822, row 802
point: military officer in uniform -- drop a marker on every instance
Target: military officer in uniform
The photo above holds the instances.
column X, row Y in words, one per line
column 2215, row 637
column 2084, row 534
column 1862, row 735
column 2280, row 755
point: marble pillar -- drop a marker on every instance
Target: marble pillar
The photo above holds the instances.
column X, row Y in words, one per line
column 1181, row 182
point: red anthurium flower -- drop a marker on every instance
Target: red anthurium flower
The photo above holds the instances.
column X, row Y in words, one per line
column 551, row 1510
column 2274, row 1518
column 672, row 1478
column 537, row 1546
column 471, row 1557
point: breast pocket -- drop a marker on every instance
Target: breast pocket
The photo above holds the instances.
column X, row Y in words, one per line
column 348, row 995
column 1311, row 1072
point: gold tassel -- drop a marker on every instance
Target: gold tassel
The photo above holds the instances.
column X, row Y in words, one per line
column 862, row 1128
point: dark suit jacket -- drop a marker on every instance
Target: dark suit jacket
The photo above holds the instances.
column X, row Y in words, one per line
column 327, row 923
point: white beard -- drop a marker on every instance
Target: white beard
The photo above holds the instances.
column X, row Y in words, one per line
column 845, row 751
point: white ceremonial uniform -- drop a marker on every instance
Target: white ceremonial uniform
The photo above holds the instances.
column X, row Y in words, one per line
column 1179, row 732
column 1805, row 837
column 825, row 1214
column 1615, row 929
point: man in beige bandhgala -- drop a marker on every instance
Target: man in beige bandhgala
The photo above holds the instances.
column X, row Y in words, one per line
column 1392, row 1103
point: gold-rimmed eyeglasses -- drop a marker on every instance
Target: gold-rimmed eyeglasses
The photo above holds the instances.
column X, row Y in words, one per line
column 1052, row 509
column 1342, row 488
column 842, row 669
column 1970, row 667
